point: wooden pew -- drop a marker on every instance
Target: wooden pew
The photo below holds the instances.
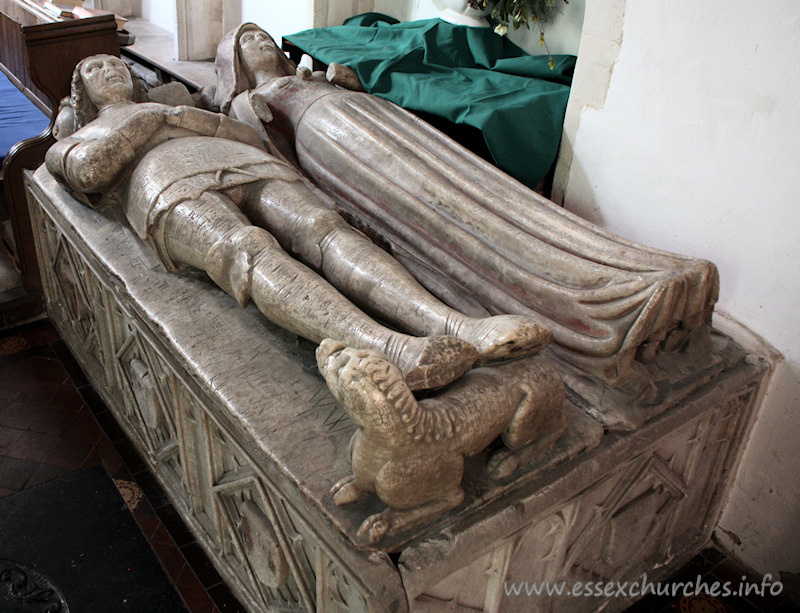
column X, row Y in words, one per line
column 38, row 57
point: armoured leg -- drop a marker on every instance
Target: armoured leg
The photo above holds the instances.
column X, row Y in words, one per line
column 247, row 262
column 373, row 279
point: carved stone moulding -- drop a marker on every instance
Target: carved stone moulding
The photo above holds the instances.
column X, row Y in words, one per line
column 232, row 417
column 23, row 590
column 651, row 513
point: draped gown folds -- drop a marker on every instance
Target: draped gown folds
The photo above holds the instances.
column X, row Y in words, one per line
column 484, row 238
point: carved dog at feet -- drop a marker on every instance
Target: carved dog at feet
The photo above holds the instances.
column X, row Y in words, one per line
column 411, row 453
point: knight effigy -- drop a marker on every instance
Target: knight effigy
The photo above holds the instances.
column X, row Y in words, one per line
column 203, row 192
column 469, row 337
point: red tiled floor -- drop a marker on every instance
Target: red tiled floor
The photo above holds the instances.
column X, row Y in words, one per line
column 40, row 335
column 191, row 589
column 39, row 392
column 83, row 427
column 69, row 454
column 67, row 398
column 160, row 535
column 224, row 600
column 44, row 473
column 30, row 372
column 36, row 418
column 8, row 436
column 201, row 565
column 7, row 392
column 197, row 599
column 14, row 473
column 52, row 421
column 109, row 457
column 147, row 524
column 171, row 559
column 15, row 415
column 93, row 458
column 188, row 579
column 32, row 446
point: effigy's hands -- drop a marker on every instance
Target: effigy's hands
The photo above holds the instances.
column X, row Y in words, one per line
column 192, row 119
column 144, row 118
column 260, row 107
column 173, row 116
column 344, row 76
column 206, row 123
column 238, row 131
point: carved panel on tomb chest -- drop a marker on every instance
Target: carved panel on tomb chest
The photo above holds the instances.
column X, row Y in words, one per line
column 76, row 299
column 263, row 538
column 150, row 409
column 632, row 522
column 255, row 539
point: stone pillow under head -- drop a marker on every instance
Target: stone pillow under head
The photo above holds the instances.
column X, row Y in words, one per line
column 174, row 93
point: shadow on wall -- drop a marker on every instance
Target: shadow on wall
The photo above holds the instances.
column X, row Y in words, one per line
column 765, row 475
column 579, row 192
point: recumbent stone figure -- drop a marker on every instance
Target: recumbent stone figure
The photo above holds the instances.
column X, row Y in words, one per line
column 474, row 235
column 201, row 190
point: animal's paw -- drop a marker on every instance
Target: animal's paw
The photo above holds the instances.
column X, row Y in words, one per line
column 436, row 361
column 375, row 527
column 502, row 463
column 331, row 356
column 345, row 491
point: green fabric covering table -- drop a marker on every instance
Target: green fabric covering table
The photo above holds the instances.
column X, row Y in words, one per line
column 467, row 75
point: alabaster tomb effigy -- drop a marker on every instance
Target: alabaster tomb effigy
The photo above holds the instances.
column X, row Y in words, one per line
column 185, row 261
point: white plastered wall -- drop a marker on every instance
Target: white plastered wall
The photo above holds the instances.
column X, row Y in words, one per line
column 683, row 132
column 159, row 13
column 563, row 35
column 280, row 18
column 277, row 16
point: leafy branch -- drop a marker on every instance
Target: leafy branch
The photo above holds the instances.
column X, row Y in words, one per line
column 521, row 13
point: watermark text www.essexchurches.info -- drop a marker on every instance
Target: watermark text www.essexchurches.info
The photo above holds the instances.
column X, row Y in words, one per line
column 643, row 587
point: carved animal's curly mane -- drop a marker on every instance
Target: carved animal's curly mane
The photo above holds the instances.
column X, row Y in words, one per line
column 429, row 421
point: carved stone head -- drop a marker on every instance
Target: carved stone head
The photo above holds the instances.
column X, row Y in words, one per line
column 97, row 81
column 243, row 51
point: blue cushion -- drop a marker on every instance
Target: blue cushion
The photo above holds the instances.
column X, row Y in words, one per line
column 19, row 117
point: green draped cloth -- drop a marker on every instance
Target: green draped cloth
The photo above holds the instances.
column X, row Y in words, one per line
column 468, row 75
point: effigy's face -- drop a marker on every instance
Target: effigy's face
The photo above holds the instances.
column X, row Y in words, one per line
column 106, row 79
column 257, row 50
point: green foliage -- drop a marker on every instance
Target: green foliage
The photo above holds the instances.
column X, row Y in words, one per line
column 518, row 13
column 521, row 13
